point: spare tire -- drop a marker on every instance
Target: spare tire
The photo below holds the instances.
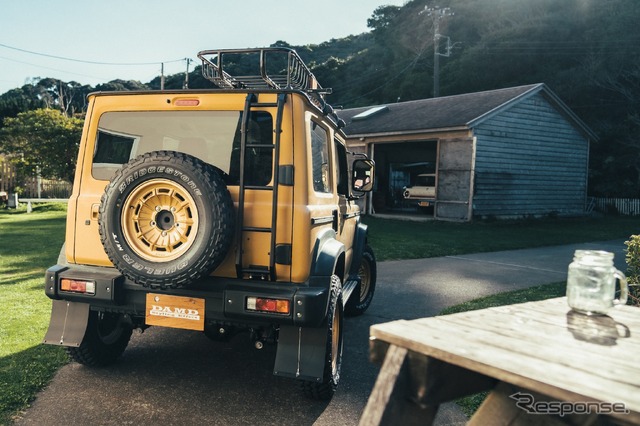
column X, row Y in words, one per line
column 166, row 219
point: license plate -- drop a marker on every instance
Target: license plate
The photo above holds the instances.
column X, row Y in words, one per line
column 424, row 204
column 175, row 311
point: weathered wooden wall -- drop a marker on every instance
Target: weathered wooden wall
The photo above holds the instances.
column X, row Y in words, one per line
column 530, row 161
column 454, row 179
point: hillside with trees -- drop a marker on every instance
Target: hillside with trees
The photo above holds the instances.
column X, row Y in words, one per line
column 584, row 50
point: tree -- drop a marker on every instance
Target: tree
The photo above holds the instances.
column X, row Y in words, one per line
column 43, row 141
column 121, row 85
column 19, row 100
column 382, row 18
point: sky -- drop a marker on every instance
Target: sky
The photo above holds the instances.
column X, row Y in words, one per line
column 139, row 35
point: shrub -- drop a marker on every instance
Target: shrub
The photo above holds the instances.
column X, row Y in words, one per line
column 633, row 268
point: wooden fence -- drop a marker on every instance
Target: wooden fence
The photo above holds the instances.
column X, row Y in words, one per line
column 7, row 176
column 33, row 187
column 623, row 206
column 45, row 188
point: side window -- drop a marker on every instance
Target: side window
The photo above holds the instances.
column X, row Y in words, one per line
column 320, row 158
column 112, row 150
column 258, row 161
column 343, row 170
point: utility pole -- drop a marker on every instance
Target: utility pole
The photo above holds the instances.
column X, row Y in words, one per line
column 437, row 14
column 162, row 76
column 186, row 74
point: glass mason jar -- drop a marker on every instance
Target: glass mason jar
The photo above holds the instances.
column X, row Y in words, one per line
column 591, row 282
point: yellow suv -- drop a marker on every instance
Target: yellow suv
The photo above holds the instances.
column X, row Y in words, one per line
column 221, row 210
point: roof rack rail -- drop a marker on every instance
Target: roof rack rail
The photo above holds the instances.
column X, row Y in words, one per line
column 260, row 68
column 277, row 68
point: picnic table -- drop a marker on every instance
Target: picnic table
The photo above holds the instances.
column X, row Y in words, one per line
column 541, row 362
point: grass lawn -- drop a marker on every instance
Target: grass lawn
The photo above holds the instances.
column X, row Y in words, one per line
column 402, row 239
column 29, row 243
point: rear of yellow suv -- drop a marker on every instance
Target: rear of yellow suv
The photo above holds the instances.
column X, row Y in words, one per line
column 217, row 210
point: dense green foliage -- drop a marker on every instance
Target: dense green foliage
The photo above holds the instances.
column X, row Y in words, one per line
column 584, row 50
column 43, row 141
column 633, row 268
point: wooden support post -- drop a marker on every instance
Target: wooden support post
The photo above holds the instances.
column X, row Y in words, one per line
column 390, row 403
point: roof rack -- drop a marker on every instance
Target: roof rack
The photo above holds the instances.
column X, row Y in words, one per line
column 263, row 68
column 278, row 68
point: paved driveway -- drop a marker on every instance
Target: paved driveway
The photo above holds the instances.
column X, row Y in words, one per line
column 177, row 377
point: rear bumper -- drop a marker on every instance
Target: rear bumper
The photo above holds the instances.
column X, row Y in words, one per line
column 225, row 298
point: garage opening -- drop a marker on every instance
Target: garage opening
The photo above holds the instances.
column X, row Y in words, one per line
column 407, row 177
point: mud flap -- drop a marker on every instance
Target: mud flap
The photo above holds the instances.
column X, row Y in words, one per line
column 68, row 323
column 301, row 353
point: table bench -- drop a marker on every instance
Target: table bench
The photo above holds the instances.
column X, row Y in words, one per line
column 541, row 362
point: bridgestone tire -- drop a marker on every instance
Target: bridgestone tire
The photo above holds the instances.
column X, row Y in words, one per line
column 333, row 353
column 358, row 304
column 105, row 339
column 166, row 219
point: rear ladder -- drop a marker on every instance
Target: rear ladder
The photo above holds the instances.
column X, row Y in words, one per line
column 264, row 271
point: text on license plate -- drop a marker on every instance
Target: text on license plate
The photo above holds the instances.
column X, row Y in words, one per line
column 175, row 311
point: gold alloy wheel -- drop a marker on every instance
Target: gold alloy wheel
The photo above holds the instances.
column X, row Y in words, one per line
column 365, row 278
column 335, row 340
column 159, row 220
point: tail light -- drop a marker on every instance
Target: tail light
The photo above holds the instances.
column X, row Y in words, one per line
column 261, row 304
column 78, row 286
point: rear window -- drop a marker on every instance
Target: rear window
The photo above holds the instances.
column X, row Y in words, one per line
column 212, row 136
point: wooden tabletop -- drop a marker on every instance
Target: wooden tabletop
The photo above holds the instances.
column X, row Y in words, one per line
column 542, row 346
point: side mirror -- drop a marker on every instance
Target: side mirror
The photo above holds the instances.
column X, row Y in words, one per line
column 363, row 174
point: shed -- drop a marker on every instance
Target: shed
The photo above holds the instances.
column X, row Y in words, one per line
column 504, row 153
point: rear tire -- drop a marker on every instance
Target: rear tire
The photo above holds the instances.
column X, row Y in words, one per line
column 333, row 353
column 358, row 304
column 105, row 339
column 166, row 219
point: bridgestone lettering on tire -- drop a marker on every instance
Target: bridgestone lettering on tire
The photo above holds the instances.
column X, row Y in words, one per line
column 166, row 219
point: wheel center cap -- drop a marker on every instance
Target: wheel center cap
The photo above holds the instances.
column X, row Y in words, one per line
column 165, row 220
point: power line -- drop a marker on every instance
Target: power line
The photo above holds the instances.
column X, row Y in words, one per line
column 52, row 69
column 88, row 62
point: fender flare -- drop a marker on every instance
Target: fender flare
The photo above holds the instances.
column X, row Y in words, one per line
column 327, row 252
column 359, row 243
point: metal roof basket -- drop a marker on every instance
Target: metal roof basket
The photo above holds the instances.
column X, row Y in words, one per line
column 277, row 68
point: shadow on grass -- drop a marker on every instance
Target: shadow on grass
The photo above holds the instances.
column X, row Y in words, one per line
column 20, row 273
column 23, row 374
